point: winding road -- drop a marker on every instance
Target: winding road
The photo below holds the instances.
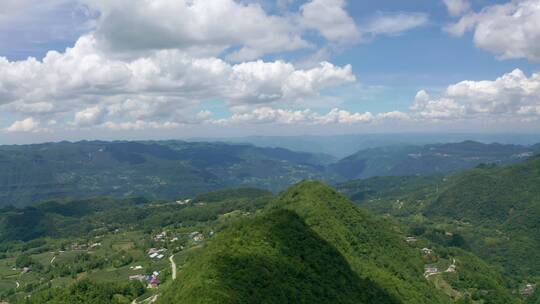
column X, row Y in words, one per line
column 173, row 267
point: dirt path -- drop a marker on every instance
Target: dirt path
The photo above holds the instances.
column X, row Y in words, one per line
column 173, row 267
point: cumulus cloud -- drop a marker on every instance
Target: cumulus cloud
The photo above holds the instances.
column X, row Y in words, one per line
column 510, row 30
column 511, row 96
column 457, row 7
column 25, row 125
column 199, row 26
column 330, row 18
column 89, row 83
column 88, row 117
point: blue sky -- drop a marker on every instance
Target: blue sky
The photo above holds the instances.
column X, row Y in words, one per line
column 253, row 67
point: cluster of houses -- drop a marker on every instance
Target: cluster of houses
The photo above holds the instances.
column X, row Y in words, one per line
column 157, row 254
column 151, row 280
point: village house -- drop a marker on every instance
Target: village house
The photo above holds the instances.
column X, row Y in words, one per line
column 138, row 267
column 161, row 236
column 152, row 250
column 410, row 239
column 430, row 270
column 197, row 236
column 427, row 251
column 154, row 253
column 76, row 246
column 153, row 282
column 138, row 277
column 184, row 202
column 528, row 290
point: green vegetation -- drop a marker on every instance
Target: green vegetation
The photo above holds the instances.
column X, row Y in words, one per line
column 99, row 243
column 491, row 210
column 88, row 292
column 177, row 169
column 470, row 237
column 156, row 170
column 273, row 258
column 311, row 245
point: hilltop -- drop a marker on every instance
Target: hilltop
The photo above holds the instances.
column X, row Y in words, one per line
column 310, row 246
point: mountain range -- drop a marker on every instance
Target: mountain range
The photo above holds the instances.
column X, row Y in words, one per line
column 177, row 169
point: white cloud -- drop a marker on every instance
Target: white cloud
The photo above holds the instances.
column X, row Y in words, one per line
column 198, row 26
column 90, row 84
column 338, row 116
column 457, row 7
column 394, row 23
column 510, row 30
column 139, row 125
column 393, row 115
column 25, row 125
column 511, row 96
column 267, row 115
column 330, row 18
column 33, row 108
column 89, row 117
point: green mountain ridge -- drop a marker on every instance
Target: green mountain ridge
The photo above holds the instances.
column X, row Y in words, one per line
column 241, row 264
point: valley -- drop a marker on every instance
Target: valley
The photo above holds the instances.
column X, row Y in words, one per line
column 462, row 236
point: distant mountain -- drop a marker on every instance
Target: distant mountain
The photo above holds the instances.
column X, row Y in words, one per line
column 165, row 169
column 428, row 159
column 340, row 146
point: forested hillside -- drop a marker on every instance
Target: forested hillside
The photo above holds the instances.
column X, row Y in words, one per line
column 491, row 210
column 308, row 245
column 165, row 169
column 311, row 245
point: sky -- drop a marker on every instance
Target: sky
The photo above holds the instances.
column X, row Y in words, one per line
column 135, row 69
